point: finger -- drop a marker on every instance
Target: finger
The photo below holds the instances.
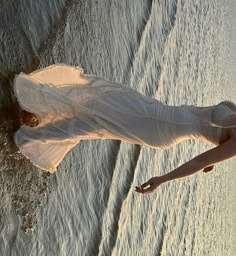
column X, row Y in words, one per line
column 146, row 184
column 147, row 190
column 209, row 168
column 139, row 189
column 144, row 191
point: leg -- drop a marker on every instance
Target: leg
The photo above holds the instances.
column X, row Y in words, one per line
column 59, row 131
column 14, row 112
column 28, row 118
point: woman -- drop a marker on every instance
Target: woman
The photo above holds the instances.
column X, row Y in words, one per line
column 71, row 106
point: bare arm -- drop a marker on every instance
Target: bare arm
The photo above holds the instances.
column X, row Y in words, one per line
column 210, row 157
column 218, row 154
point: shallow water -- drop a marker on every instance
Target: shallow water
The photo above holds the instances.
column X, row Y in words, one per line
column 178, row 52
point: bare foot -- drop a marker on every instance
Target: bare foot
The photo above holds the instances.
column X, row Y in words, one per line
column 28, row 118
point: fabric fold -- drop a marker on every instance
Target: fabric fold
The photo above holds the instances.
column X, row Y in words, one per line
column 72, row 106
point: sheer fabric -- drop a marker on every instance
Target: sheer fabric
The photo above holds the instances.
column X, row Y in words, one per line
column 72, row 106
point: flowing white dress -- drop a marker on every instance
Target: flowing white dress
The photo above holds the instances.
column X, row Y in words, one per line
column 72, row 106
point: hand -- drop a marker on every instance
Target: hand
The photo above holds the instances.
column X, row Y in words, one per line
column 208, row 168
column 153, row 183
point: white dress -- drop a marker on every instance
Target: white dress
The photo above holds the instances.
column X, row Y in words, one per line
column 72, row 106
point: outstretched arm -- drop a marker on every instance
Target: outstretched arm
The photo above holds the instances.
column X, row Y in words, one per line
column 218, row 154
column 210, row 157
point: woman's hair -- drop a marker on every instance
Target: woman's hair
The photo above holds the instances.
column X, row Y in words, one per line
column 230, row 104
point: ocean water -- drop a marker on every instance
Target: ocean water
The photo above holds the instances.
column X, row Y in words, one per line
column 180, row 52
